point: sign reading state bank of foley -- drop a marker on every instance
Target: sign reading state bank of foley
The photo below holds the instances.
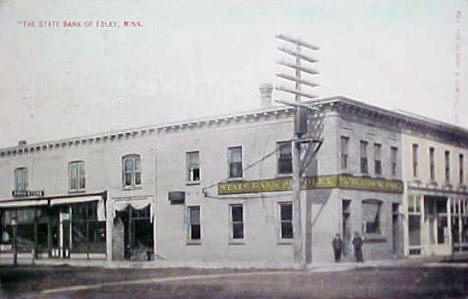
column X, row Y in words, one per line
column 321, row 182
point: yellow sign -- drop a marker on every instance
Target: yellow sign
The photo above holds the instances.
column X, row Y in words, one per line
column 321, row 182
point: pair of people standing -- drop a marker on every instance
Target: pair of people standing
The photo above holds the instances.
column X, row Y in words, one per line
column 337, row 244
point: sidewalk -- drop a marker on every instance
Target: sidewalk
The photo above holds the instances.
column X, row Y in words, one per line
column 315, row 267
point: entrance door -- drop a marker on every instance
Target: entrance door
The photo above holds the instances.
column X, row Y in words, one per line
column 346, row 212
column 395, row 228
column 436, row 223
column 60, row 230
column 65, row 226
column 137, row 234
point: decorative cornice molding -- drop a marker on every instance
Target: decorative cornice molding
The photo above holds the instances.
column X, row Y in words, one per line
column 249, row 117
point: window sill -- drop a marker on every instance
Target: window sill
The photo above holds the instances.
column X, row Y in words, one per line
column 235, row 179
column 76, row 191
column 236, row 242
column 192, row 183
column 374, row 238
column 191, row 242
column 285, row 242
column 130, row 188
column 284, row 175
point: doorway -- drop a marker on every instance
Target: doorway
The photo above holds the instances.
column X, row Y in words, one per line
column 60, row 228
column 136, row 234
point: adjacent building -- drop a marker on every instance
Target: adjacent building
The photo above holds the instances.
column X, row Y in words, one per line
column 217, row 191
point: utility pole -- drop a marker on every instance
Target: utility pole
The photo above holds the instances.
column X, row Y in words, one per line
column 300, row 129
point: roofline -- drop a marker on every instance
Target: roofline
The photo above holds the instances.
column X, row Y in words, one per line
column 273, row 109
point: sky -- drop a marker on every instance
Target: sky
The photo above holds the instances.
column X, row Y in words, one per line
column 191, row 59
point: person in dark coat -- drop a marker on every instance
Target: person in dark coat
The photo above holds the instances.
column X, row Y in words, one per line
column 337, row 244
column 357, row 243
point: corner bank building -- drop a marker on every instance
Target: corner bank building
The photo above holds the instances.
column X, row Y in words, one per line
column 217, row 191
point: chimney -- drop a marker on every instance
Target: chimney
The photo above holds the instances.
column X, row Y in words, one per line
column 266, row 91
column 22, row 143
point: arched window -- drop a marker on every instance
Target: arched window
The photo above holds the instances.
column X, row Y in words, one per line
column 21, row 179
column 76, row 176
column 371, row 216
column 131, row 171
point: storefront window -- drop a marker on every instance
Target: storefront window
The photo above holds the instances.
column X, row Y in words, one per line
column 88, row 234
column 371, row 210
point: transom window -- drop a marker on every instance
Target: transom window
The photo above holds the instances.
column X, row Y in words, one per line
column 284, row 158
column 131, row 167
column 235, row 162
column 76, row 176
column 21, row 179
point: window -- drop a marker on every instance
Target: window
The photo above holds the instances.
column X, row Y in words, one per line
column 284, row 158
column 447, row 166
column 286, row 220
column 371, row 216
column 193, row 166
column 363, row 145
column 237, row 221
column 131, row 171
column 194, row 228
column 88, row 233
column 21, row 179
column 377, row 159
column 76, row 176
column 415, row 160
column 431, row 163
column 461, row 170
column 235, row 162
column 344, row 152
column 393, row 158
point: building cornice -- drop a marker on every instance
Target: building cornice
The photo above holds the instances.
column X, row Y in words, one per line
column 245, row 117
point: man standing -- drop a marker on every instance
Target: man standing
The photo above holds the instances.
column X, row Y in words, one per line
column 357, row 243
column 337, row 244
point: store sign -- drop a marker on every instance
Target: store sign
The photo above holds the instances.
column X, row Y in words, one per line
column 321, row 182
column 27, row 193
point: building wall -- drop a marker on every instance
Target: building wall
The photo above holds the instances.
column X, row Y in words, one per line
column 422, row 185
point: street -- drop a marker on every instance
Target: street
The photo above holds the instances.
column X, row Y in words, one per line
column 409, row 280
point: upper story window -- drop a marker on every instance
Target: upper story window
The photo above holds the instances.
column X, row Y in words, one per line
column 447, row 166
column 76, row 176
column 286, row 214
column 285, row 158
column 131, row 168
column 461, row 175
column 21, row 179
column 432, row 163
column 377, row 159
column 193, row 166
column 393, row 159
column 415, row 160
column 371, row 214
column 344, row 152
column 363, row 150
column 235, row 162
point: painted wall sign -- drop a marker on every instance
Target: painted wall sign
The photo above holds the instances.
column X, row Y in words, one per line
column 27, row 193
column 321, row 182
